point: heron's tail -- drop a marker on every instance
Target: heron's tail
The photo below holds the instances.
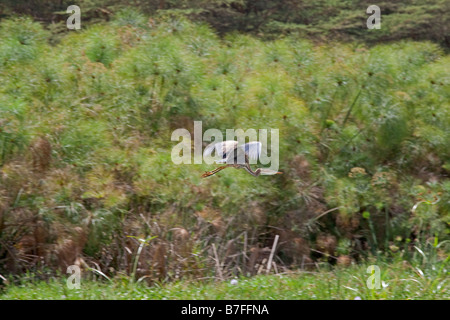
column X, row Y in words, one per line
column 210, row 173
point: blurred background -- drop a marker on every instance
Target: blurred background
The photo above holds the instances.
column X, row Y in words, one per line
column 86, row 117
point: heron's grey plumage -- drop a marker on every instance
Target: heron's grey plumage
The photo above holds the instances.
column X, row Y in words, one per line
column 237, row 156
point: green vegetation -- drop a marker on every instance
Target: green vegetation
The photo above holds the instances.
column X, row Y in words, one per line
column 86, row 175
column 398, row 281
column 317, row 20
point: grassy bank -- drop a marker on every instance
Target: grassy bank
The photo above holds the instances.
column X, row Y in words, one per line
column 398, row 280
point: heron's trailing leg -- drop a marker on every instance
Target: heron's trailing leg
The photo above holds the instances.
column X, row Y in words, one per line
column 210, row 173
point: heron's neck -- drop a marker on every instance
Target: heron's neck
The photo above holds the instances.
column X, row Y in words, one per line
column 253, row 173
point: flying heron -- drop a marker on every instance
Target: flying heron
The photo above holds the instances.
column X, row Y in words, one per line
column 237, row 156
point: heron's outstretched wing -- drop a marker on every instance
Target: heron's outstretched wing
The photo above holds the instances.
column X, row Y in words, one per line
column 222, row 148
column 252, row 149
